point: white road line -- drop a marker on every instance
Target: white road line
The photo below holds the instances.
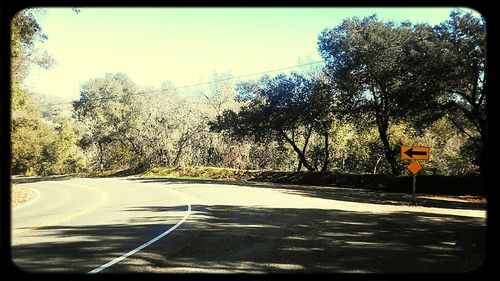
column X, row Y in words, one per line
column 126, row 255
column 31, row 202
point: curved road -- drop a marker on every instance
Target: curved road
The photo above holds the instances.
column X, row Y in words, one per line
column 172, row 226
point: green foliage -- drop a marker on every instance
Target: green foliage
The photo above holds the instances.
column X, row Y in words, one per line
column 38, row 146
column 402, row 73
column 107, row 107
column 63, row 148
column 463, row 46
column 384, row 85
column 25, row 31
column 449, row 150
column 366, row 62
column 19, row 98
column 283, row 108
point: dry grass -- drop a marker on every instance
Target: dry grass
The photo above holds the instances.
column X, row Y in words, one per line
column 20, row 195
column 461, row 188
column 200, row 173
column 468, row 189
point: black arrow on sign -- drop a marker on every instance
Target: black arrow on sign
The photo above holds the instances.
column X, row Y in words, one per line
column 410, row 152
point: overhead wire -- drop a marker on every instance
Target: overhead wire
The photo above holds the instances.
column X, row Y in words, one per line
column 200, row 83
column 227, row 79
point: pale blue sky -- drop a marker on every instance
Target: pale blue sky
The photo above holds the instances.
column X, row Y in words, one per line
column 187, row 45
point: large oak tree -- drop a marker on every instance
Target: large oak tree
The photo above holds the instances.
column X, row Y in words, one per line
column 283, row 108
column 374, row 67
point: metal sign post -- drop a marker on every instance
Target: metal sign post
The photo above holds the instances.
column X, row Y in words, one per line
column 414, row 168
column 413, row 188
column 414, row 153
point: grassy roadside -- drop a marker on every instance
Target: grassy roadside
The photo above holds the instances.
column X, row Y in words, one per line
column 430, row 184
column 450, row 185
column 205, row 173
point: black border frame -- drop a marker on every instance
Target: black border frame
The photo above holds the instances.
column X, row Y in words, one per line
column 8, row 10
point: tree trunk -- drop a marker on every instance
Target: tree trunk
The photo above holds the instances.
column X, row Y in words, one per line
column 383, row 126
column 376, row 165
column 388, row 153
column 299, row 152
column 306, row 142
column 101, row 157
column 327, row 154
column 179, row 151
column 299, row 167
column 139, row 154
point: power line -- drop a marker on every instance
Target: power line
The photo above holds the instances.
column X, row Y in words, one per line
column 200, row 83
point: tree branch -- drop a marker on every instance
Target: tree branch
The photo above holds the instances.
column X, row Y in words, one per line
column 297, row 150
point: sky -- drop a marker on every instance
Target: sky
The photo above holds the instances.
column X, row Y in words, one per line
column 188, row 45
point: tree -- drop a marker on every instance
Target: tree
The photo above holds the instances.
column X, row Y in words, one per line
column 38, row 145
column 25, row 33
column 284, row 108
column 29, row 135
column 447, row 145
column 221, row 94
column 462, row 63
column 63, row 149
column 371, row 65
column 321, row 114
column 107, row 107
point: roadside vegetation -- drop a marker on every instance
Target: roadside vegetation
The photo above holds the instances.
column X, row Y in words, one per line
column 427, row 184
column 383, row 85
column 20, row 195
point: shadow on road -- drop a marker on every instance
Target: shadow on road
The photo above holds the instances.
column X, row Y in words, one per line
column 236, row 239
column 247, row 239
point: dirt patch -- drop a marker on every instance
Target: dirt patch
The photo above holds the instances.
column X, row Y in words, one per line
column 20, row 196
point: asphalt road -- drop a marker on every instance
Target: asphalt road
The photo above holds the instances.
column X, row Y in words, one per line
column 117, row 225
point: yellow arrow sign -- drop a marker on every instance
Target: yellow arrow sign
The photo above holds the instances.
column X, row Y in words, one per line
column 415, row 152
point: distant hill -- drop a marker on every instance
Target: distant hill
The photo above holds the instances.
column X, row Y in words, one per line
column 50, row 105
